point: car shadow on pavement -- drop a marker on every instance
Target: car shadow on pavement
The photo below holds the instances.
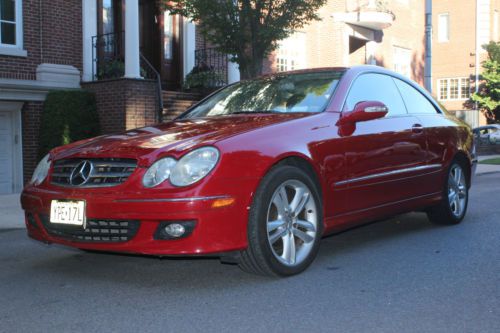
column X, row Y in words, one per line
column 147, row 271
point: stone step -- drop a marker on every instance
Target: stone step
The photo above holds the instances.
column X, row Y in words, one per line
column 176, row 102
column 179, row 102
column 181, row 95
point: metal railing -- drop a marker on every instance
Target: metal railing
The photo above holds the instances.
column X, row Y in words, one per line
column 108, row 56
column 213, row 64
column 149, row 72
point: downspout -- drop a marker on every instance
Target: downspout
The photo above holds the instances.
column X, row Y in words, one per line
column 428, row 46
column 41, row 31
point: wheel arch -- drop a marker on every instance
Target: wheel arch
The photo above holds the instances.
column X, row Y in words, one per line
column 462, row 158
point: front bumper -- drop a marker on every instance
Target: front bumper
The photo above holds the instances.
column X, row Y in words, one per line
column 217, row 229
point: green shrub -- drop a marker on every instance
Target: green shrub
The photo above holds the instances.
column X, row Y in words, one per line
column 203, row 79
column 67, row 116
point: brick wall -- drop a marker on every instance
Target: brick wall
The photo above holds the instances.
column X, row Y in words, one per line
column 52, row 34
column 31, row 115
column 327, row 42
column 124, row 104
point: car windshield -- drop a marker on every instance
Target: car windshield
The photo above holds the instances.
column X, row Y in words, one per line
column 281, row 93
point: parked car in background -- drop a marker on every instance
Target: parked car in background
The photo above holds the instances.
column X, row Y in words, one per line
column 258, row 172
column 487, row 135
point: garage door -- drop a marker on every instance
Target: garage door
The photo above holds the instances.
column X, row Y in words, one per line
column 6, row 152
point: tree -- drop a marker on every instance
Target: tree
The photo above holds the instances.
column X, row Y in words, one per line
column 248, row 30
column 488, row 95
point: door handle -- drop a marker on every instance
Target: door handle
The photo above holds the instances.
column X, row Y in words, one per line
column 417, row 128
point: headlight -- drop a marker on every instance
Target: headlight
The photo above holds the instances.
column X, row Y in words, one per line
column 41, row 171
column 194, row 166
column 158, row 172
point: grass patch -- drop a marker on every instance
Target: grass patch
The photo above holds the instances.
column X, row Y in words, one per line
column 495, row 161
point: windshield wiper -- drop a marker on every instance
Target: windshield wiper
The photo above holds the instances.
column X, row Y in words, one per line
column 249, row 112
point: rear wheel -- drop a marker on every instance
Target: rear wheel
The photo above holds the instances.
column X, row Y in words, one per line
column 453, row 206
column 285, row 224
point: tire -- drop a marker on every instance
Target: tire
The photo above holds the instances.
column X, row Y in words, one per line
column 285, row 224
column 453, row 206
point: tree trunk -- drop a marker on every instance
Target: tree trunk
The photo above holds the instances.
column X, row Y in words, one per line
column 250, row 67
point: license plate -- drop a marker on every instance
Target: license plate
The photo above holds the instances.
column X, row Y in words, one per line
column 67, row 212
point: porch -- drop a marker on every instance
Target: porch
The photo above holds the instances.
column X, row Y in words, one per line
column 140, row 43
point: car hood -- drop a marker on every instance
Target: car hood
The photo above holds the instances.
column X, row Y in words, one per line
column 176, row 137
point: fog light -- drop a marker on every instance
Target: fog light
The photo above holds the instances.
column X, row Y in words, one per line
column 175, row 230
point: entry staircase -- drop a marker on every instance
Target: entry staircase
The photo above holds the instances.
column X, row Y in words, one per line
column 175, row 103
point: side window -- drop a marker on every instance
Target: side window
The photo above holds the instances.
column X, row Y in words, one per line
column 414, row 100
column 376, row 87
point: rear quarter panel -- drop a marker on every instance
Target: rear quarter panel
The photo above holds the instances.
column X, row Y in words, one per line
column 446, row 137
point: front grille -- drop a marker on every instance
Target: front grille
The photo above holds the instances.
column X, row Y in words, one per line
column 96, row 230
column 102, row 172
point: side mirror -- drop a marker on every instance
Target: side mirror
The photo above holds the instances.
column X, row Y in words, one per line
column 364, row 111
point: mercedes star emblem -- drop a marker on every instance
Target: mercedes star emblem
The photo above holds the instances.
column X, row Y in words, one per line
column 81, row 173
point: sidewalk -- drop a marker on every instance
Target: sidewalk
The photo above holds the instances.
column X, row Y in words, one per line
column 487, row 168
column 11, row 214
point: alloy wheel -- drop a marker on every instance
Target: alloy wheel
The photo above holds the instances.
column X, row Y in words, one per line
column 292, row 222
column 457, row 190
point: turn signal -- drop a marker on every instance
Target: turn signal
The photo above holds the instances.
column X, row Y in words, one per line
column 219, row 203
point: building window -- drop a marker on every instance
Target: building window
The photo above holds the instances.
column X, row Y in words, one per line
column 402, row 61
column 168, row 36
column 11, row 28
column 108, row 22
column 291, row 53
column 454, row 89
column 444, row 27
column 464, row 88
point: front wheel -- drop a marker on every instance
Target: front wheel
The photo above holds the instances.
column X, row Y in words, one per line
column 453, row 206
column 285, row 224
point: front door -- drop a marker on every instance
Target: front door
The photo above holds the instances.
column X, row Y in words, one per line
column 149, row 30
column 6, row 152
column 172, row 50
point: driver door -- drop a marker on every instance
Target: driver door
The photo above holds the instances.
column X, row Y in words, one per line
column 382, row 156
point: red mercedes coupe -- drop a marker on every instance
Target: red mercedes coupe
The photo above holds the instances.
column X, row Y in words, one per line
column 259, row 171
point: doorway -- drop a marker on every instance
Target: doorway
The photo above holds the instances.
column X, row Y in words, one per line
column 10, row 149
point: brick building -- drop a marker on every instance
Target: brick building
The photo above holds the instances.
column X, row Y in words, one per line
column 353, row 32
column 460, row 28
column 40, row 50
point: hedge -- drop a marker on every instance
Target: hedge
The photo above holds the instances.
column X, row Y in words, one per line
column 67, row 116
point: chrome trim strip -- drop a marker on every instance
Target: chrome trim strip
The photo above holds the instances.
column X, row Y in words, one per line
column 176, row 199
column 388, row 173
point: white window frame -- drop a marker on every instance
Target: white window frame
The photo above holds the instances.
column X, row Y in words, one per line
column 17, row 49
column 290, row 54
column 444, row 31
column 448, row 88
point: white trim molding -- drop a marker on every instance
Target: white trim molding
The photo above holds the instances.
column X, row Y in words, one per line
column 17, row 49
column 189, row 46
column 29, row 90
column 132, row 55
column 89, row 30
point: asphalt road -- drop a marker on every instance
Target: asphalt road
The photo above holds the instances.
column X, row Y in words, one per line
column 400, row 275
